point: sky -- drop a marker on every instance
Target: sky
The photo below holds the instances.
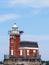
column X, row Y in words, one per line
column 32, row 17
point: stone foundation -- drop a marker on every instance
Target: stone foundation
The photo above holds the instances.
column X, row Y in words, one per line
column 22, row 62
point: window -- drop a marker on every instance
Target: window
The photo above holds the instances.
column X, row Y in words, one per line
column 11, row 52
column 12, row 40
column 34, row 51
column 27, row 52
column 20, row 52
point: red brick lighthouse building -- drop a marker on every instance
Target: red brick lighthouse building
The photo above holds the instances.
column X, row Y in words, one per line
column 21, row 48
column 20, row 52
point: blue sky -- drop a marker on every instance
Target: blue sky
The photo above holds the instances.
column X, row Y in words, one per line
column 31, row 16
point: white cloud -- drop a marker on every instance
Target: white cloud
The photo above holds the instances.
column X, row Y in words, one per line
column 35, row 37
column 8, row 17
column 31, row 3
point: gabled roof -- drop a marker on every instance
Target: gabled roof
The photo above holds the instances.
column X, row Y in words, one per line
column 28, row 44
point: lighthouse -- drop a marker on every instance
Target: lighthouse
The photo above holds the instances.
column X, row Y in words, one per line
column 21, row 52
column 14, row 41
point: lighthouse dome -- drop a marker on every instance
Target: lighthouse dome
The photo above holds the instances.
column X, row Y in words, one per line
column 14, row 26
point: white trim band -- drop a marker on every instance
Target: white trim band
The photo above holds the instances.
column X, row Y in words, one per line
column 28, row 48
